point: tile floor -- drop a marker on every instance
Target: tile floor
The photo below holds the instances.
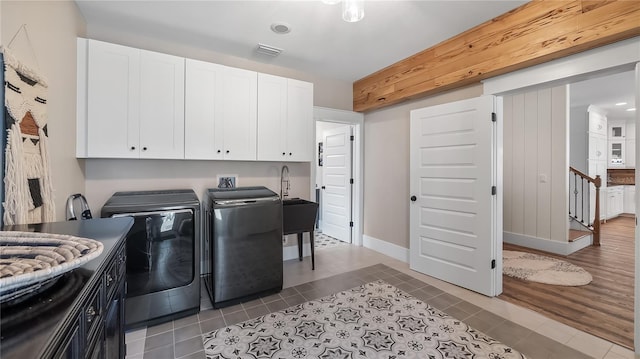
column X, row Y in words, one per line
column 342, row 267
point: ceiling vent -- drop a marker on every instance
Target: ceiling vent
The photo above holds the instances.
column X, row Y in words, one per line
column 268, row 50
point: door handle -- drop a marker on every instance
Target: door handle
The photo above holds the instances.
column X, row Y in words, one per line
column 413, row 198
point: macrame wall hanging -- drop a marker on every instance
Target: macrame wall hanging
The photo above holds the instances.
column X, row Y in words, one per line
column 28, row 191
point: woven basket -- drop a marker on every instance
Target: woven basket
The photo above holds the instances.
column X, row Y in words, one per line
column 27, row 258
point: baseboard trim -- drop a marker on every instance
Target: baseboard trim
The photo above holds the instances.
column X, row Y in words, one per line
column 547, row 245
column 384, row 247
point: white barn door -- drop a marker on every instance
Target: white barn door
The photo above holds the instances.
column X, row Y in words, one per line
column 455, row 231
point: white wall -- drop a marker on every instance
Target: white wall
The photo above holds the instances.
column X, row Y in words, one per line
column 52, row 27
column 536, row 164
column 386, row 166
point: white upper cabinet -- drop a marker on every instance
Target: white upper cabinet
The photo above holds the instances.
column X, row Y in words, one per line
column 220, row 112
column 300, row 120
column 617, row 129
column 285, row 119
column 161, row 105
column 113, row 99
column 597, row 122
column 135, row 103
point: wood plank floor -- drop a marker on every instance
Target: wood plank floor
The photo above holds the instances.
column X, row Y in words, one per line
column 604, row 307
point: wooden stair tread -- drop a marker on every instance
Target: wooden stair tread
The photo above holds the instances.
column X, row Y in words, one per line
column 575, row 234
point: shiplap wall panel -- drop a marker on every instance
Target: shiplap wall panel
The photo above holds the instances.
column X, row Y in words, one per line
column 544, row 163
column 535, row 145
column 517, row 224
column 507, row 150
column 530, row 163
column 560, row 164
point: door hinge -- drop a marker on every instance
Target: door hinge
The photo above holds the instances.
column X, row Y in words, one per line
column 494, row 190
column 351, row 180
column 351, row 224
column 494, row 117
column 352, row 138
column 493, row 264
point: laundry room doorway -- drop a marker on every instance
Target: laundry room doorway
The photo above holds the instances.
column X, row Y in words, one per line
column 336, row 175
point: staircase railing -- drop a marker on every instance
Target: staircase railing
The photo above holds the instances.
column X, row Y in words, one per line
column 581, row 190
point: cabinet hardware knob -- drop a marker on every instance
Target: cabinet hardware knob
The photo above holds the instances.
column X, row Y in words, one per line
column 219, row 151
column 144, row 148
column 283, row 153
column 227, row 151
column 91, row 313
column 414, row 198
column 290, row 153
column 133, row 148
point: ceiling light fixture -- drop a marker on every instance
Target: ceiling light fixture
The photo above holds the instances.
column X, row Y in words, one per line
column 352, row 10
column 621, row 103
column 631, row 109
column 280, row 28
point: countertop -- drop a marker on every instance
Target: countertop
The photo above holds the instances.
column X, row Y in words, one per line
column 27, row 327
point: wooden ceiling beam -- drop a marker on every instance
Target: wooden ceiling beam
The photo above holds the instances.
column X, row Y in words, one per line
column 536, row 32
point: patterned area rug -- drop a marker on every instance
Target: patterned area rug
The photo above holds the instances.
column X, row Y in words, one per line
column 375, row 320
column 543, row 269
column 324, row 241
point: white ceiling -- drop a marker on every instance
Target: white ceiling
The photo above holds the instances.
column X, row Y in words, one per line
column 320, row 42
column 605, row 92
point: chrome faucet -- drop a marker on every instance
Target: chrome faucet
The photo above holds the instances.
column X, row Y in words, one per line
column 284, row 182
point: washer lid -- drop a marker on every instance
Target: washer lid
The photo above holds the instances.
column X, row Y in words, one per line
column 153, row 198
column 240, row 193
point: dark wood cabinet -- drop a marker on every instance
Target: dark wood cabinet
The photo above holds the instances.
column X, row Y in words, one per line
column 114, row 326
column 97, row 332
column 71, row 347
column 81, row 314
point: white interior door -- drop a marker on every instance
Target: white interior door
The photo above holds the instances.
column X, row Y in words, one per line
column 454, row 234
column 336, row 186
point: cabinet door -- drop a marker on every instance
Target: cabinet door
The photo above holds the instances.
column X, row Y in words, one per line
column 201, row 125
column 597, row 147
column 238, row 109
column 630, row 153
column 616, row 153
column 71, row 346
column 161, row 105
column 300, row 146
column 630, row 129
column 597, row 124
column 611, row 205
column 616, row 129
column 272, row 117
column 114, row 342
column 112, row 100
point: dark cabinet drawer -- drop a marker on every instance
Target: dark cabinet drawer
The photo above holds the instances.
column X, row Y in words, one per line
column 92, row 313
